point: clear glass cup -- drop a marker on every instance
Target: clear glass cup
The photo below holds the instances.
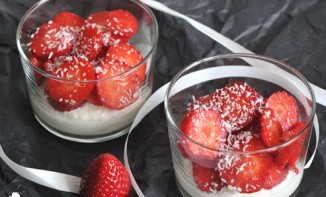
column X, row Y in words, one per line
column 266, row 76
column 87, row 123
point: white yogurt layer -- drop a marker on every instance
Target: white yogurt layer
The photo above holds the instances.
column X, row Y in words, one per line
column 87, row 119
column 284, row 189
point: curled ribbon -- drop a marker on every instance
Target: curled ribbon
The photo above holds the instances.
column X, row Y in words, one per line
column 69, row 183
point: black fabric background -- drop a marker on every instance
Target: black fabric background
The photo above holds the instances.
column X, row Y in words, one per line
column 293, row 31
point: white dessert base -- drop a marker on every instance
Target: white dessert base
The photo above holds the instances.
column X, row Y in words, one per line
column 284, row 189
column 88, row 119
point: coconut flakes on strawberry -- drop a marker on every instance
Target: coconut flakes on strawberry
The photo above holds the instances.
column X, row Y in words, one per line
column 238, row 104
column 52, row 40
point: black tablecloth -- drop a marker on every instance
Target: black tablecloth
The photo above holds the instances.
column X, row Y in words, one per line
column 293, row 31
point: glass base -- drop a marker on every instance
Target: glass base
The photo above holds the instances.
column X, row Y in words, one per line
column 84, row 138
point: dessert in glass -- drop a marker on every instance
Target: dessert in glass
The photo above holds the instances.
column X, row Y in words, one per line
column 88, row 65
column 239, row 125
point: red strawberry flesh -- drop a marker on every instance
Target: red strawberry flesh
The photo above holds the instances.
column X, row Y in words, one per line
column 88, row 42
column 115, row 89
column 204, row 127
column 70, row 91
column 238, row 104
column 285, row 109
column 69, row 19
column 116, row 26
column 52, row 65
column 123, row 23
column 207, row 179
column 245, row 172
column 38, row 62
column 129, row 55
column 51, row 40
column 289, row 155
column 276, row 174
column 271, row 131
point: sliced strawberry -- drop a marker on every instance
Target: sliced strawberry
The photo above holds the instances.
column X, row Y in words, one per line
column 201, row 102
column 244, row 141
column 116, row 26
column 207, row 179
column 238, row 104
column 289, row 155
column 70, row 91
column 52, row 40
column 38, row 62
column 94, row 98
column 52, row 65
column 102, row 21
column 276, row 174
column 123, row 23
column 128, row 54
column 120, row 91
column 271, row 132
column 285, row 109
column 105, row 176
column 203, row 126
column 88, row 42
column 69, row 19
column 117, row 39
column 245, row 172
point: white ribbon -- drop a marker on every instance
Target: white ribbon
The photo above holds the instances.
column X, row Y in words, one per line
column 55, row 180
column 68, row 183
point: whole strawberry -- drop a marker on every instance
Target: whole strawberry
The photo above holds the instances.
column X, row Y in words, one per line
column 105, row 176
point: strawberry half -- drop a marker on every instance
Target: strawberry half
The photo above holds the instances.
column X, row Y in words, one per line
column 52, row 65
column 38, row 62
column 129, row 55
column 73, row 21
column 71, row 91
column 203, row 126
column 116, row 89
column 101, row 19
column 271, row 131
column 289, row 155
column 105, row 176
column 285, row 109
column 275, row 175
column 207, row 179
column 52, row 40
column 238, row 104
column 245, row 172
column 88, row 42
column 103, row 23
column 123, row 24
column 94, row 98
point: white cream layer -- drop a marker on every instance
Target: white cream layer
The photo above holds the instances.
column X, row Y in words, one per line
column 88, row 119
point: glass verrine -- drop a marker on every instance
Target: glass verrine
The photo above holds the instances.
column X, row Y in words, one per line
column 89, row 121
column 240, row 161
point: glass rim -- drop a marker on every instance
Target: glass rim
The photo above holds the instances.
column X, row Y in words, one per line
column 49, row 75
column 240, row 55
